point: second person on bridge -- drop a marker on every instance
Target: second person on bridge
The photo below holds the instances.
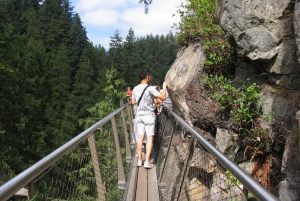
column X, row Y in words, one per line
column 146, row 97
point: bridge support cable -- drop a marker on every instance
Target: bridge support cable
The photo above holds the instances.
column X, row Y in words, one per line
column 200, row 171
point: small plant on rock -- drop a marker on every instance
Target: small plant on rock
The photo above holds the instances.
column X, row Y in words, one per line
column 241, row 102
column 200, row 22
column 232, row 179
column 257, row 141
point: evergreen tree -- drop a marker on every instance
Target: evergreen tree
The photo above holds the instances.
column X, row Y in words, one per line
column 59, row 82
column 115, row 53
column 56, row 22
column 81, row 98
column 101, row 63
column 78, row 42
column 50, row 74
column 21, row 104
column 130, row 59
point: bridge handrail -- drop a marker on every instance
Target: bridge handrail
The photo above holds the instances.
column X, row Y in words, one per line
column 251, row 184
column 12, row 186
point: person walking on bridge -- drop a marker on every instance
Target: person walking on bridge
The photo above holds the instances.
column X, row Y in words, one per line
column 146, row 97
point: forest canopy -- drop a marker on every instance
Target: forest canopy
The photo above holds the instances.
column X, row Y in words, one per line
column 51, row 74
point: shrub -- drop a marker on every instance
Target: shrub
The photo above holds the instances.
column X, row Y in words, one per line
column 241, row 102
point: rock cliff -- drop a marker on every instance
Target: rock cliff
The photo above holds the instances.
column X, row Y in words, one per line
column 266, row 35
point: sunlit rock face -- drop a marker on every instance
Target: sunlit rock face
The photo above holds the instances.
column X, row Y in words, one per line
column 266, row 35
column 263, row 33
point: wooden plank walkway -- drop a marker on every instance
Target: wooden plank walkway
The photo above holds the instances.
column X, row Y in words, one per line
column 143, row 184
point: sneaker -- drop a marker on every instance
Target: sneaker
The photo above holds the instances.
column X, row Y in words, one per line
column 139, row 163
column 148, row 165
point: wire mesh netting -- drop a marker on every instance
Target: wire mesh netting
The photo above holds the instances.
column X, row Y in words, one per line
column 186, row 171
column 72, row 178
column 94, row 170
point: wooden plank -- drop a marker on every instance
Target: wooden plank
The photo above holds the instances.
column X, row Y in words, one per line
column 132, row 181
column 153, row 193
column 141, row 189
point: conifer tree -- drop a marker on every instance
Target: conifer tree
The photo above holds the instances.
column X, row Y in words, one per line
column 59, row 82
column 56, row 22
column 81, row 98
column 116, row 54
column 130, row 59
column 77, row 42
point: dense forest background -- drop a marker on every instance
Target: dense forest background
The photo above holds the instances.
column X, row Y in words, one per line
column 51, row 74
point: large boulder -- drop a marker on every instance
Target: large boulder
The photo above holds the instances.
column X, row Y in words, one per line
column 190, row 96
column 188, row 64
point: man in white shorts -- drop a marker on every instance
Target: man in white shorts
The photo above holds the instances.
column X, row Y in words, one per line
column 145, row 116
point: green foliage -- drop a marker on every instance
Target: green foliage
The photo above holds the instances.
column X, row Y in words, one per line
column 199, row 21
column 112, row 97
column 241, row 102
column 156, row 53
column 250, row 195
column 267, row 117
column 50, row 74
column 257, row 140
column 232, row 179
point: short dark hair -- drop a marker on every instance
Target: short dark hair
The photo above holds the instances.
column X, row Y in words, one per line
column 144, row 73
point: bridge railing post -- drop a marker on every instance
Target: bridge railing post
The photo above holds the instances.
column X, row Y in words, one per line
column 168, row 149
column 130, row 115
column 96, row 164
column 127, row 147
column 160, row 133
column 31, row 190
column 121, row 176
column 192, row 145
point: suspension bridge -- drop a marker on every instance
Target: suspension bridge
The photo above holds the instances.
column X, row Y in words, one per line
column 101, row 164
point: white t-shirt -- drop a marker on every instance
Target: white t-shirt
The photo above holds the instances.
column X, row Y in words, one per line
column 168, row 101
column 146, row 106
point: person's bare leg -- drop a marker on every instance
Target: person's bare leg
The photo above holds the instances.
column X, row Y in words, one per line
column 149, row 146
column 139, row 146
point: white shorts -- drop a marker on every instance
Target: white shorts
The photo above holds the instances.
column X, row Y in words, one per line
column 135, row 135
column 145, row 124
